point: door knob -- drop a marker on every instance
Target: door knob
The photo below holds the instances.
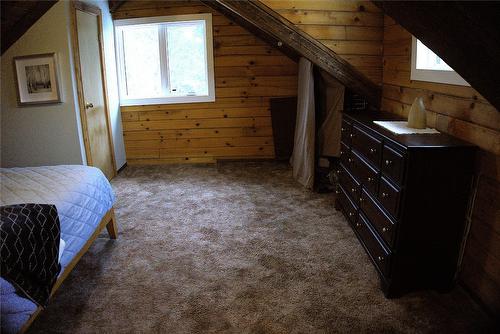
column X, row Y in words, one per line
column 89, row 105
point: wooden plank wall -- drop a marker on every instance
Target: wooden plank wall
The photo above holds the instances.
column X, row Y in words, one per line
column 462, row 112
column 353, row 29
column 248, row 73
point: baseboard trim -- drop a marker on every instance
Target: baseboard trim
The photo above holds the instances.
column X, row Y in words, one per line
column 121, row 168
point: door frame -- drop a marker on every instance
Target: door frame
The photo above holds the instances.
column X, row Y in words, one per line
column 78, row 5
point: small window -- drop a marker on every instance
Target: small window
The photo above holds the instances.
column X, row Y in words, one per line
column 427, row 66
column 166, row 59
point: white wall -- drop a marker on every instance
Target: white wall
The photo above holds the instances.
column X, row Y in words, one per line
column 47, row 134
column 51, row 134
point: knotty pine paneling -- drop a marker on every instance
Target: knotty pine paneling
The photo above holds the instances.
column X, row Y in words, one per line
column 248, row 72
column 463, row 112
column 353, row 29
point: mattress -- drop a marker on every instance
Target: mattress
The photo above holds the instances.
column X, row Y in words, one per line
column 82, row 196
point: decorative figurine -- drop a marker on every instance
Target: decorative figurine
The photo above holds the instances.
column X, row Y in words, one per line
column 416, row 116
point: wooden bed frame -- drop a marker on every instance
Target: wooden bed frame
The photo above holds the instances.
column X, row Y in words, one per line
column 109, row 221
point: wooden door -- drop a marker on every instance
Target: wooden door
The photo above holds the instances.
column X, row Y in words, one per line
column 89, row 65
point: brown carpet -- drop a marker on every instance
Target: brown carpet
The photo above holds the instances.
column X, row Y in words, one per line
column 238, row 248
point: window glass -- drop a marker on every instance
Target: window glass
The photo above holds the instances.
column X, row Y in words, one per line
column 428, row 60
column 142, row 61
column 187, row 58
column 429, row 67
column 165, row 59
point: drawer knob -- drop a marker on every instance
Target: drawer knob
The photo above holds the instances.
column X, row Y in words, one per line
column 337, row 192
column 351, row 135
column 385, row 195
column 342, row 152
column 385, row 229
column 388, row 162
column 380, row 258
column 350, row 160
column 370, row 179
column 338, row 171
column 351, row 214
column 342, row 129
column 361, row 199
column 353, row 190
column 373, row 150
column 358, row 225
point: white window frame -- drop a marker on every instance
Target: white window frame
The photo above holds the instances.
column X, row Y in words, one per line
column 445, row 77
column 124, row 101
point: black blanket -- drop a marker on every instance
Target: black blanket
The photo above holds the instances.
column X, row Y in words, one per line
column 29, row 249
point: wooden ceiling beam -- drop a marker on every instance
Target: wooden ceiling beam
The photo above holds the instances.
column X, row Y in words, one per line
column 465, row 34
column 281, row 33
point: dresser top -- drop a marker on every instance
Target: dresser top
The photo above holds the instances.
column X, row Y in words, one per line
column 408, row 140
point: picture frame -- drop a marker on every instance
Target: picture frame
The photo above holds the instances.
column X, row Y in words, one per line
column 37, row 79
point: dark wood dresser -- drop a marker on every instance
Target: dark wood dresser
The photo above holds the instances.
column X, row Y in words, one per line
column 406, row 198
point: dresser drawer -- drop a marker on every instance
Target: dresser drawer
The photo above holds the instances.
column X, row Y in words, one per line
column 347, row 206
column 345, row 132
column 389, row 196
column 345, row 153
column 380, row 221
column 380, row 256
column 366, row 174
column 369, row 146
column 393, row 164
column 350, row 185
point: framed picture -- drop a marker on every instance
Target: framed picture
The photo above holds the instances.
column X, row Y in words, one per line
column 36, row 77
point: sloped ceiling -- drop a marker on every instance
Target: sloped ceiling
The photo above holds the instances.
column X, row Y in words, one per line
column 279, row 32
column 18, row 16
column 465, row 34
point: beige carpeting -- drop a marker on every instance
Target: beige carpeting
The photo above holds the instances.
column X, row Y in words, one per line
column 238, row 248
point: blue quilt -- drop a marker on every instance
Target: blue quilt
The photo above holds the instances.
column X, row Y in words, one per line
column 82, row 196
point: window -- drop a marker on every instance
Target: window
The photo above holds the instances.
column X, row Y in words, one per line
column 166, row 59
column 427, row 66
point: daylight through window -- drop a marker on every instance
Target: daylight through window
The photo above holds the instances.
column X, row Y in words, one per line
column 427, row 66
column 165, row 59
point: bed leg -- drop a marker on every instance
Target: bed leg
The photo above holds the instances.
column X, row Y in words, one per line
column 112, row 227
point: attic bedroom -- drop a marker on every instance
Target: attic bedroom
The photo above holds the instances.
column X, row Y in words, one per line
column 272, row 166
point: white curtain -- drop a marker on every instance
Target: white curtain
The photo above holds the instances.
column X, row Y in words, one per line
column 302, row 159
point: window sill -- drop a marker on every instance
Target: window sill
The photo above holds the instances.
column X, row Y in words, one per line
column 169, row 100
column 440, row 77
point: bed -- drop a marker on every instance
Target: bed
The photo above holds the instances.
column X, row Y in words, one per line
column 84, row 200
